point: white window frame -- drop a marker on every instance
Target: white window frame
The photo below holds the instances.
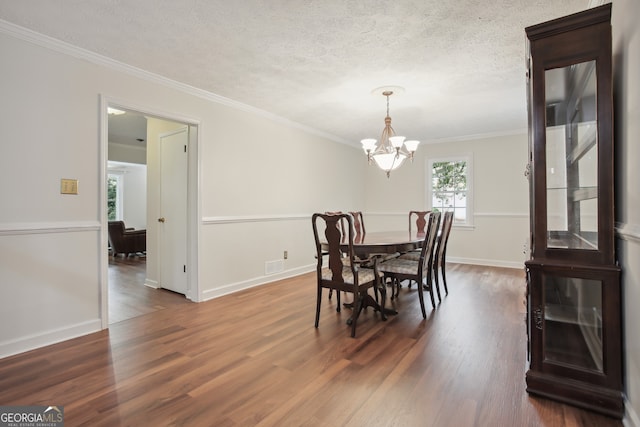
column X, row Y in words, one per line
column 468, row 158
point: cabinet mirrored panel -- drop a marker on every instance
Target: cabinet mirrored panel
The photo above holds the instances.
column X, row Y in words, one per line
column 572, row 157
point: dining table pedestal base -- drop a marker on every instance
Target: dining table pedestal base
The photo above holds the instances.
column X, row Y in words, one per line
column 369, row 301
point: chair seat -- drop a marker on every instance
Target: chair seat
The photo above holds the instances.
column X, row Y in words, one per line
column 399, row 266
column 410, row 256
column 364, row 275
column 386, row 257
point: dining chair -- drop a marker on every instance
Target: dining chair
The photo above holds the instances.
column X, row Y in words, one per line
column 399, row 269
column 439, row 253
column 417, row 217
column 342, row 273
column 358, row 223
column 439, row 257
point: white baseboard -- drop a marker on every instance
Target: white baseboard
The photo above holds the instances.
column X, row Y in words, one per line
column 258, row 281
column 487, row 262
column 631, row 418
column 151, row 283
column 9, row 348
column 262, row 280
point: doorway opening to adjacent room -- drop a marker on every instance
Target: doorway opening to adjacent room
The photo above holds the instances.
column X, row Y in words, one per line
column 155, row 156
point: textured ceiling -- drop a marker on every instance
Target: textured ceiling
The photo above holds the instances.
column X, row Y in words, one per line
column 462, row 63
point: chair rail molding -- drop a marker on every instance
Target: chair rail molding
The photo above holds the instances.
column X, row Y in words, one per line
column 12, row 229
column 476, row 214
column 630, row 232
column 239, row 219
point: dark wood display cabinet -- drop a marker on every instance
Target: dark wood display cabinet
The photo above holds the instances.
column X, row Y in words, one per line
column 573, row 280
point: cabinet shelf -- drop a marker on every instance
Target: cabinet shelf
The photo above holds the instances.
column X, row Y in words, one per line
column 578, row 194
column 586, row 141
column 561, row 313
column 567, row 240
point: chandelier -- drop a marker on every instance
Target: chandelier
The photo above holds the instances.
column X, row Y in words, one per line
column 392, row 150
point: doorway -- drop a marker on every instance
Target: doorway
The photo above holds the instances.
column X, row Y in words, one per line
column 144, row 147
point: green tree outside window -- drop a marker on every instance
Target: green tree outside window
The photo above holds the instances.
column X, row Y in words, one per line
column 112, row 198
column 449, row 187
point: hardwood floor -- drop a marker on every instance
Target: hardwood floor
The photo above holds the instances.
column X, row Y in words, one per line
column 128, row 297
column 253, row 358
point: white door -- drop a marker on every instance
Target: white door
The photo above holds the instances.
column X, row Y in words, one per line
column 173, row 210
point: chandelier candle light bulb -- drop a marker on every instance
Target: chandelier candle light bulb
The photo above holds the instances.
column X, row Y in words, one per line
column 392, row 150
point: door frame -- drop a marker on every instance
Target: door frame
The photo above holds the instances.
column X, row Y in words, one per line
column 193, row 197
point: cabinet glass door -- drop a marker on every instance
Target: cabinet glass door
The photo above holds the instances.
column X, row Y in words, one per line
column 573, row 322
column 571, row 157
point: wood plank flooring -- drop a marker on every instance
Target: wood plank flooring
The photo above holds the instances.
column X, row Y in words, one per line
column 253, row 358
column 128, row 296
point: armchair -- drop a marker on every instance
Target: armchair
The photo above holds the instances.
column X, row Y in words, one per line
column 126, row 241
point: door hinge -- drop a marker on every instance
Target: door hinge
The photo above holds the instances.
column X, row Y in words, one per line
column 184, row 268
column 185, row 148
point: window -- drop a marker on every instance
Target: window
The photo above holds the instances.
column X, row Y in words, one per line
column 449, row 187
column 114, row 197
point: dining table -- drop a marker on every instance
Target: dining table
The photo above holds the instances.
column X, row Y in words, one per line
column 385, row 242
column 380, row 244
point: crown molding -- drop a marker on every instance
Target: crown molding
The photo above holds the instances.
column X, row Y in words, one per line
column 488, row 135
column 65, row 48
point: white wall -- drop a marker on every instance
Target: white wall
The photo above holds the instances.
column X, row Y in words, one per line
column 501, row 198
column 260, row 180
column 134, row 197
column 127, row 153
column 626, row 67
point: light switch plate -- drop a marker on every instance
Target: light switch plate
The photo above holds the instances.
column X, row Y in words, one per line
column 68, row 186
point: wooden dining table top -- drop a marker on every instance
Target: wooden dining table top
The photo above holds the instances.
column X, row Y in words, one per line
column 379, row 242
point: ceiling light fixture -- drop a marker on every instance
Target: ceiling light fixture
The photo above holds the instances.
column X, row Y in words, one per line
column 392, row 150
column 115, row 111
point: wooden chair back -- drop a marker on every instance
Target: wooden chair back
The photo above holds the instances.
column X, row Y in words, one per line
column 420, row 219
column 443, row 238
column 358, row 223
column 430, row 238
column 341, row 224
column 439, row 258
column 334, row 236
